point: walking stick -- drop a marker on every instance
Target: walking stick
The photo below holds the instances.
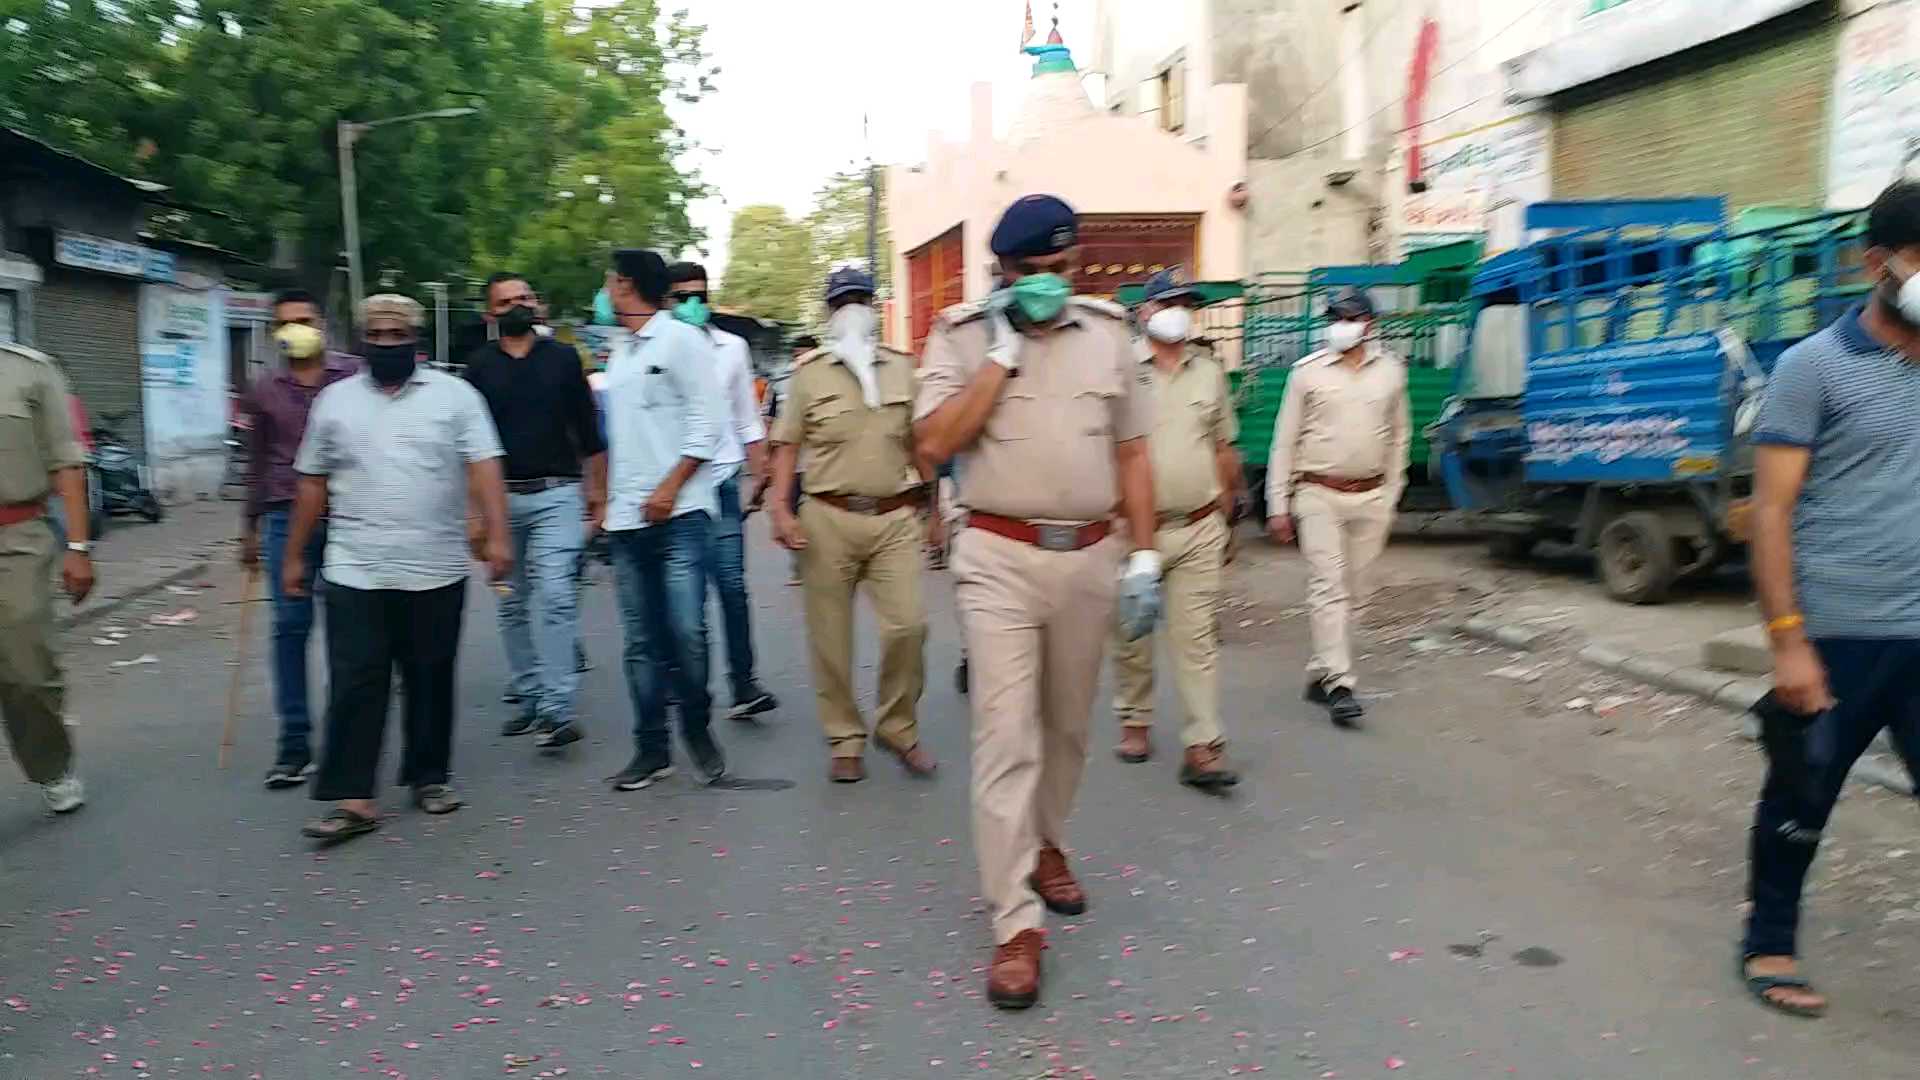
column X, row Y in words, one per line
column 239, row 663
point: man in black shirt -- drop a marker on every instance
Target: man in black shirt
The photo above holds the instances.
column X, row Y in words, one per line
column 544, row 411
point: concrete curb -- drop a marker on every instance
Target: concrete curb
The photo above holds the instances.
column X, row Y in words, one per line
column 138, row 592
column 1731, row 692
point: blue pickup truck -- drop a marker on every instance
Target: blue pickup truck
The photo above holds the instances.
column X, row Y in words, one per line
column 1611, row 370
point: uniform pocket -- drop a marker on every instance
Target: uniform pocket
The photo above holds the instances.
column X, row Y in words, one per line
column 830, row 420
column 1017, row 417
column 1091, row 412
column 18, row 441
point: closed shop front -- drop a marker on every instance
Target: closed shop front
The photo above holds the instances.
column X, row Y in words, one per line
column 1744, row 116
column 90, row 323
column 936, row 280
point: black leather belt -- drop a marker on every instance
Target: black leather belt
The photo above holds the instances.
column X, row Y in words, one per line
column 544, row 483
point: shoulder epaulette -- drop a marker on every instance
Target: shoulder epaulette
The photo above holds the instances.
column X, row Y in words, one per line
column 963, row 313
column 26, row 353
column 1105, row 307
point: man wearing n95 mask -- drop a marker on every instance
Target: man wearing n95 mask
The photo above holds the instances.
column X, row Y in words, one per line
column 1334, row 476
column 1196, row 474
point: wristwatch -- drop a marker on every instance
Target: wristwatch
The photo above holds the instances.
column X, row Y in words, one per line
column 79, row 547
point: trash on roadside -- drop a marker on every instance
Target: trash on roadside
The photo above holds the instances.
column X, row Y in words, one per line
column 185, row 590
column 1580, row 703
column 1516, row 672
column 177, row 618
column 143, row 658
column 106, row 641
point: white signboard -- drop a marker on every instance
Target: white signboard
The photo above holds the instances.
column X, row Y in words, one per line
column 1876, row 104
column 1473, row 171
column 1591, row 39
column 83, row 252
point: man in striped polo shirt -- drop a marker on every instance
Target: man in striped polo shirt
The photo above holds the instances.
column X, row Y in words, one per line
column 1836, row 563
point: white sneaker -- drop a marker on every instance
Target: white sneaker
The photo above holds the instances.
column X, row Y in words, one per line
column 65, row 795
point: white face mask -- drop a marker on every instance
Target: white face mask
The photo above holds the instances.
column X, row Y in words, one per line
column 1344, row 336
column 1908, row 299
column 1170, row 324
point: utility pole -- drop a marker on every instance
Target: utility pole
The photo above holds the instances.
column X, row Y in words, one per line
column 348, row 132
column 439, row 321
column 873, row 205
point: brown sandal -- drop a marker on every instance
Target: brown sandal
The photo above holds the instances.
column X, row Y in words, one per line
column 341, row 824
column 436, row 799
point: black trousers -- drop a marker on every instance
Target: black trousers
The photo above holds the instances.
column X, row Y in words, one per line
column 369, row 634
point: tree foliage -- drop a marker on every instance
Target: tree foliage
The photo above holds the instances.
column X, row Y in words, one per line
column 839, row 225
column 772, row 266
column 234, row 105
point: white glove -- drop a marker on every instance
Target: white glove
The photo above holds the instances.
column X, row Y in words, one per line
column 1004, row 342
column 1138, row 605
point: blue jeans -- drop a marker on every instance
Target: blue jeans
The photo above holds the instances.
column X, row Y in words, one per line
column 1877, row 683
column 540, row 618
column 661, row 574
column 727, row 566
column 292, row 625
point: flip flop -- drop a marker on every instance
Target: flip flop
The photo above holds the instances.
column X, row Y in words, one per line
column 436, row 799
column 1759, row 985
column 341, row 824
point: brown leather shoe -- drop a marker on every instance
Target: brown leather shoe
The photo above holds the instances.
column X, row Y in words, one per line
column 1136, row 744
column 847, row 770
column 916, row 760
column 1055, row 884
column 1206, row 767
column 1013, row 982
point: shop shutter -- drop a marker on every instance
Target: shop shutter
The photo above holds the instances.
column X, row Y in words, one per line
column 1744, row 117
column 90, row 323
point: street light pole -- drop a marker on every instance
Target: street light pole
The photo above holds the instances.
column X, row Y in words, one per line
column 350, row 216
column 348, row 132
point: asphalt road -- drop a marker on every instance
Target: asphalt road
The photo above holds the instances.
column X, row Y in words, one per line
column 1414, row 900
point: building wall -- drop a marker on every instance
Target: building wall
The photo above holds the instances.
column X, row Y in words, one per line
column 1101, row 164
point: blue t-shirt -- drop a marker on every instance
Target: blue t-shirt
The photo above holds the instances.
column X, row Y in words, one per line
column 1856, row 529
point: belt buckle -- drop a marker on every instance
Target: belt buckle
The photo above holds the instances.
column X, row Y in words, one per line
column 863, row 504
column 1057, row 537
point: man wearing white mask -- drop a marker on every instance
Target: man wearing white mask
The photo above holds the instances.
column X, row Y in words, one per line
column 848, row 426
column 1335, row 474
column 1196, row 475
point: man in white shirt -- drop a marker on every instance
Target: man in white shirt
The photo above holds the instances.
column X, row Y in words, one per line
column 664, row 414
column 743, row 442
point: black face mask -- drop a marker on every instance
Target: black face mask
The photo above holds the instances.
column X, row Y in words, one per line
column 390, row 365
column 516, row 321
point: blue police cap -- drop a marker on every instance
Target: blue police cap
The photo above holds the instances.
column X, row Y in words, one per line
column 1035, row 225
column 1168, row 284
column 1351, row 304
column 848, row 280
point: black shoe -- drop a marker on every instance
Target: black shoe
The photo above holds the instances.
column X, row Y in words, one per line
column 289, row 773
column 1316, row 693
column 707, row 758
column 641, row 772
column 520, row 723
column 509, row 697
column 1345, row 709
column 752, row 703
column 581, row 665
column 961, row 678
column 553, row 736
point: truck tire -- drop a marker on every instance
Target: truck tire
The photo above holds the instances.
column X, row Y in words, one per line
column 1637, row 559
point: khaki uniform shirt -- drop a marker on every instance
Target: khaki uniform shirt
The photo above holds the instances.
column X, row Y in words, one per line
column 845, row 447
column 1047, row 451
column 1192, row 419
column 1341, row 421
column 36, row 427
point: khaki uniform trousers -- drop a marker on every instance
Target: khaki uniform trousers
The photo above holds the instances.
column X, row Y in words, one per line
column 1037, row 623
column 32, row 692
column 843, row 550
column 1341, row 534
column 1191, row 559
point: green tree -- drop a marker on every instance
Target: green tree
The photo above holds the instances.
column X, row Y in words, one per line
column 773, row 271
column 839, row 225
column 233, row 105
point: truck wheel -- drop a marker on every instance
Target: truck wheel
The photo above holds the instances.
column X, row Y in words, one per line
column 1637, row 559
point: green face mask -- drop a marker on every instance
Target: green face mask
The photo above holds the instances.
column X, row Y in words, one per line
column 1041, row 296
column 603, row 309
column 692, row 311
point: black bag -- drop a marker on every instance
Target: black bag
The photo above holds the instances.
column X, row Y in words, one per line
column 1783, row 735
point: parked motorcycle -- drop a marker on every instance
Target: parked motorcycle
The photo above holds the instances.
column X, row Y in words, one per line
column 121, row 474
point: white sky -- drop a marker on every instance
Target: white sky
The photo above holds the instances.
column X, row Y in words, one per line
column 797, row 75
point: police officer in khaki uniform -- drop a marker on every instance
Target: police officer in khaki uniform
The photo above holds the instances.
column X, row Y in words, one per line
column 1196, row 475
column 1335, row 473
column 848, row 425
column 1039, row 395
column 38, row 454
